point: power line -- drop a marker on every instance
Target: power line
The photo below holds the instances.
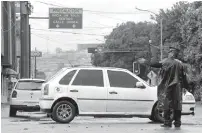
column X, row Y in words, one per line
column 109, row 17
column 76, row 33
column 68, row 39
column 84, row 29
column 51, row 40
column 101, row 12
column 102, row 27
column 48, row 3
column 99, row 23
column 45, row 38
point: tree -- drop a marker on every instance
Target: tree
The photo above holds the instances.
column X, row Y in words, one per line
column 127, row 36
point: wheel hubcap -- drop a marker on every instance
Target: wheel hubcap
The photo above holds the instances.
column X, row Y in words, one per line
column 161, row 113
column 64, row 111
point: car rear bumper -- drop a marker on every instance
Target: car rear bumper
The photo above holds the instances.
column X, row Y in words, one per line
column 46, row 104
column 26, row 108
column 22, row 104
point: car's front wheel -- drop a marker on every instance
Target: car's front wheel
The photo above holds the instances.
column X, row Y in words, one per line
column 159, row 114
column 12, row 112
column 63, row 112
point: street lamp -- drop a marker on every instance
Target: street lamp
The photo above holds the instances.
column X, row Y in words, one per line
column 161, row 46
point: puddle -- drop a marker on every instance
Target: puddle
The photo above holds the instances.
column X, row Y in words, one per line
column 23, row 120
column 47, row 123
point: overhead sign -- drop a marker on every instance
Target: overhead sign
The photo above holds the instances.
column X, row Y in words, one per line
column 36, row 54
column 65, row 18
column 151, row 75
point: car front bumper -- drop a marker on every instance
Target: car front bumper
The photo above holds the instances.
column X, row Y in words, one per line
column 188, row 108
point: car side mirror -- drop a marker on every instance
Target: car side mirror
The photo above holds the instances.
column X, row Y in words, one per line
column 140, row 85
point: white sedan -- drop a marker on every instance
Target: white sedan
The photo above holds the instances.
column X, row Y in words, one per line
column 25, row 96
column 102, row 92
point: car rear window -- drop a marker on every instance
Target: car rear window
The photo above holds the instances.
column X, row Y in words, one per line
column 29, row 85
column 56, row 74
column 67, row 78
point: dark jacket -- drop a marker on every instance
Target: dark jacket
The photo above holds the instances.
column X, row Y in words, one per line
column 171, row 82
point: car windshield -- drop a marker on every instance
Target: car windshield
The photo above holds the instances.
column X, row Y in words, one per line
column 29, row 85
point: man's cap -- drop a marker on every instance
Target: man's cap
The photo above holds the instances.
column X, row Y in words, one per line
column 174, row 46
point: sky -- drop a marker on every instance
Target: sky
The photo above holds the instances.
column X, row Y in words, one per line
column 99, row 19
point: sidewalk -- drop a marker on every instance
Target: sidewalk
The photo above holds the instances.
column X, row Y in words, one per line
column 5, row 110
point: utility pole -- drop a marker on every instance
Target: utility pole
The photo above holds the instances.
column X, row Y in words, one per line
column 161, row 25
column 150, row 56
column 13, row 34
column 25, row 11
column 30, row 59
column 161, row 48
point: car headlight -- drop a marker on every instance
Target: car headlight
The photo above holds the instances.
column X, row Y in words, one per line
column 189, row 97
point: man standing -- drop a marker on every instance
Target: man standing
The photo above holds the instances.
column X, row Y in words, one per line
column 171, row 84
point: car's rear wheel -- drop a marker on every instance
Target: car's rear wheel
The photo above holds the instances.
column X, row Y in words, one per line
column 12, row 112
column 63, row 112
column 159, row 114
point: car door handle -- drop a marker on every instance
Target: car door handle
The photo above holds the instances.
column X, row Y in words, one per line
column 113, row 92
column 74, row 91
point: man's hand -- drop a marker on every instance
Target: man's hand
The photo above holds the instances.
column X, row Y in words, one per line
column 142, row 61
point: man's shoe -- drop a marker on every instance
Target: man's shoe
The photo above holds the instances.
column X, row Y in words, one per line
column 166, row 125
column 177, row 125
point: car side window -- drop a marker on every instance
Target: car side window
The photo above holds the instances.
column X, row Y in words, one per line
column 67, row 78
column 89, row 78
column 121, row 79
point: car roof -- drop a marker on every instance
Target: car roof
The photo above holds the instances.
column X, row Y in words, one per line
column 94, row 67
column 30, row 79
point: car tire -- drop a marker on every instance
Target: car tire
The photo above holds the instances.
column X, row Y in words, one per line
column 12, row 112
column 152, row 118
column 158, row 115
column 59, row 113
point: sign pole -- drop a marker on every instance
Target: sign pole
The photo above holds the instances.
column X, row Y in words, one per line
column 35, row 65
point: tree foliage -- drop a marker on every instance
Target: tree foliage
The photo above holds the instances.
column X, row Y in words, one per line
column 128, row 37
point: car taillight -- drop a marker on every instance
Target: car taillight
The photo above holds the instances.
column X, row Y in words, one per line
column 14, row 94
column 46, row 89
